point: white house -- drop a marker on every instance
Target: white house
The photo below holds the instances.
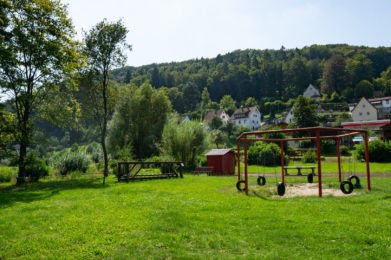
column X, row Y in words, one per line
column 312, row 92
column 364, row 111
column 383, row 105
column 289, row 116
column 220, row 113
column 247, row 116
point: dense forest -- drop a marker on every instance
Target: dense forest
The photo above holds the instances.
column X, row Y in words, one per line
column 349, row 72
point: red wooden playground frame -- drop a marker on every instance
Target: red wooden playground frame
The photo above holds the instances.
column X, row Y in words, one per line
column 247, row 136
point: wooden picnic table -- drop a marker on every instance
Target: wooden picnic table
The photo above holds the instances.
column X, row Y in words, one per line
column 206, row 169
column 299, row 167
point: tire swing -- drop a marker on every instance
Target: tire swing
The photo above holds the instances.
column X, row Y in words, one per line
column 343, row 187
column 310, row 178
column 261, row 180
column 356, row 182
column 281, row 188
column 238, row 185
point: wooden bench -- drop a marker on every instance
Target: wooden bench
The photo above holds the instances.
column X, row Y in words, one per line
column 298, row 167
column 206, row 169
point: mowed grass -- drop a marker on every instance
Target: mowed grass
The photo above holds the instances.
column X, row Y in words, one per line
column 196, row 217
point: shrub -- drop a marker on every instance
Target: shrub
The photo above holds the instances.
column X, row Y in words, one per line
column 36, row 168
column 327, row 147
column 309, row 157
column 202, row 160
column 378, row 151
column 344, row 150
column 266, row 154
column 73, row 162
column 7, row 173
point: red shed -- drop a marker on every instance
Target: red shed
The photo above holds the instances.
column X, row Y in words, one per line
column 222, row 161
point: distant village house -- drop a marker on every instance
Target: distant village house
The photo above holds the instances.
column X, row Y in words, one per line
column 247, row 116
column 220, row 113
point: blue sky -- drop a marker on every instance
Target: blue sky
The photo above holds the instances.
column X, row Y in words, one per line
column 176, row 30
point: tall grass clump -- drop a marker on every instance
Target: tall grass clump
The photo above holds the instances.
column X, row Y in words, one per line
column 7, row 173
column 70, row 162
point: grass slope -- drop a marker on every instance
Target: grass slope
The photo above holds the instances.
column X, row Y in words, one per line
column 195, row 217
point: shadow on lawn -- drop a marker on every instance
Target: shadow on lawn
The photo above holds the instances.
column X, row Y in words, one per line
column 42, row 190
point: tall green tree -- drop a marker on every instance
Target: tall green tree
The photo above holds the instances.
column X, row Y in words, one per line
column 359, row 68
column 335, row 76
column 304, row 114
column 138, row 120
column 104, row 46
column 363, row 89
column 184, row 141
column 228, row 104
column 37, row 51
column 205, row 99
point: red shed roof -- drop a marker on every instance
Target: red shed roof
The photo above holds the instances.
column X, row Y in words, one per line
column 219, row 151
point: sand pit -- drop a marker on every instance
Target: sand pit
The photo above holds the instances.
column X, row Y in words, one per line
column 310, row 189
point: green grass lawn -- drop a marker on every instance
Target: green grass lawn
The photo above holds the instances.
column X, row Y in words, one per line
column 196, row 217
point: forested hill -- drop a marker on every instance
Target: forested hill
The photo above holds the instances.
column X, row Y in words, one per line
column 349, row 71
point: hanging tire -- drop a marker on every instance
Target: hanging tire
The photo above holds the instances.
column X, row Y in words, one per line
column 310, row 178
column 281, row 188
column 356, row 182
column 343, row 187
column 238, row 185
column 261, row 180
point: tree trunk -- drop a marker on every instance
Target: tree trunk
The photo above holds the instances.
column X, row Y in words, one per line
column 104, row 127
column 22, row 164
column 106, row 170
column 24, row 142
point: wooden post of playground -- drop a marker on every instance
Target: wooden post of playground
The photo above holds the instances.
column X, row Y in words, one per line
column 319, row 162
column 282, row 162
column 238, row 159
column 339, row 161
column 245, row 165
column 367, row 160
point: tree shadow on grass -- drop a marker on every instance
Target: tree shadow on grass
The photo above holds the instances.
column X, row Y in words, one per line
column 30, row 192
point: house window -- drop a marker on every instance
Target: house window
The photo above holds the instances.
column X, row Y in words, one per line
column 363, row 106
column 239, row 122
column 368, row 113
column 244, row 121
column 360, row 113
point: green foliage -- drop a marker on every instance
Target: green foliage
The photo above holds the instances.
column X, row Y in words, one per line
column 138, row 121
column 342, row 117
column 344, row 150
column 7, row 128
column 228, row 104
column 335, row 75
column 378, row 151
column 184, row 141
column 70, row 162
column 217, row 137
column 304, row 113
column 104, row 47
column 266, row 154
column 36, row 168
column 328, row 147
column 309, row 157
column 215, row 123
column 7, row 173
column 363, row 89
column 37, row 51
